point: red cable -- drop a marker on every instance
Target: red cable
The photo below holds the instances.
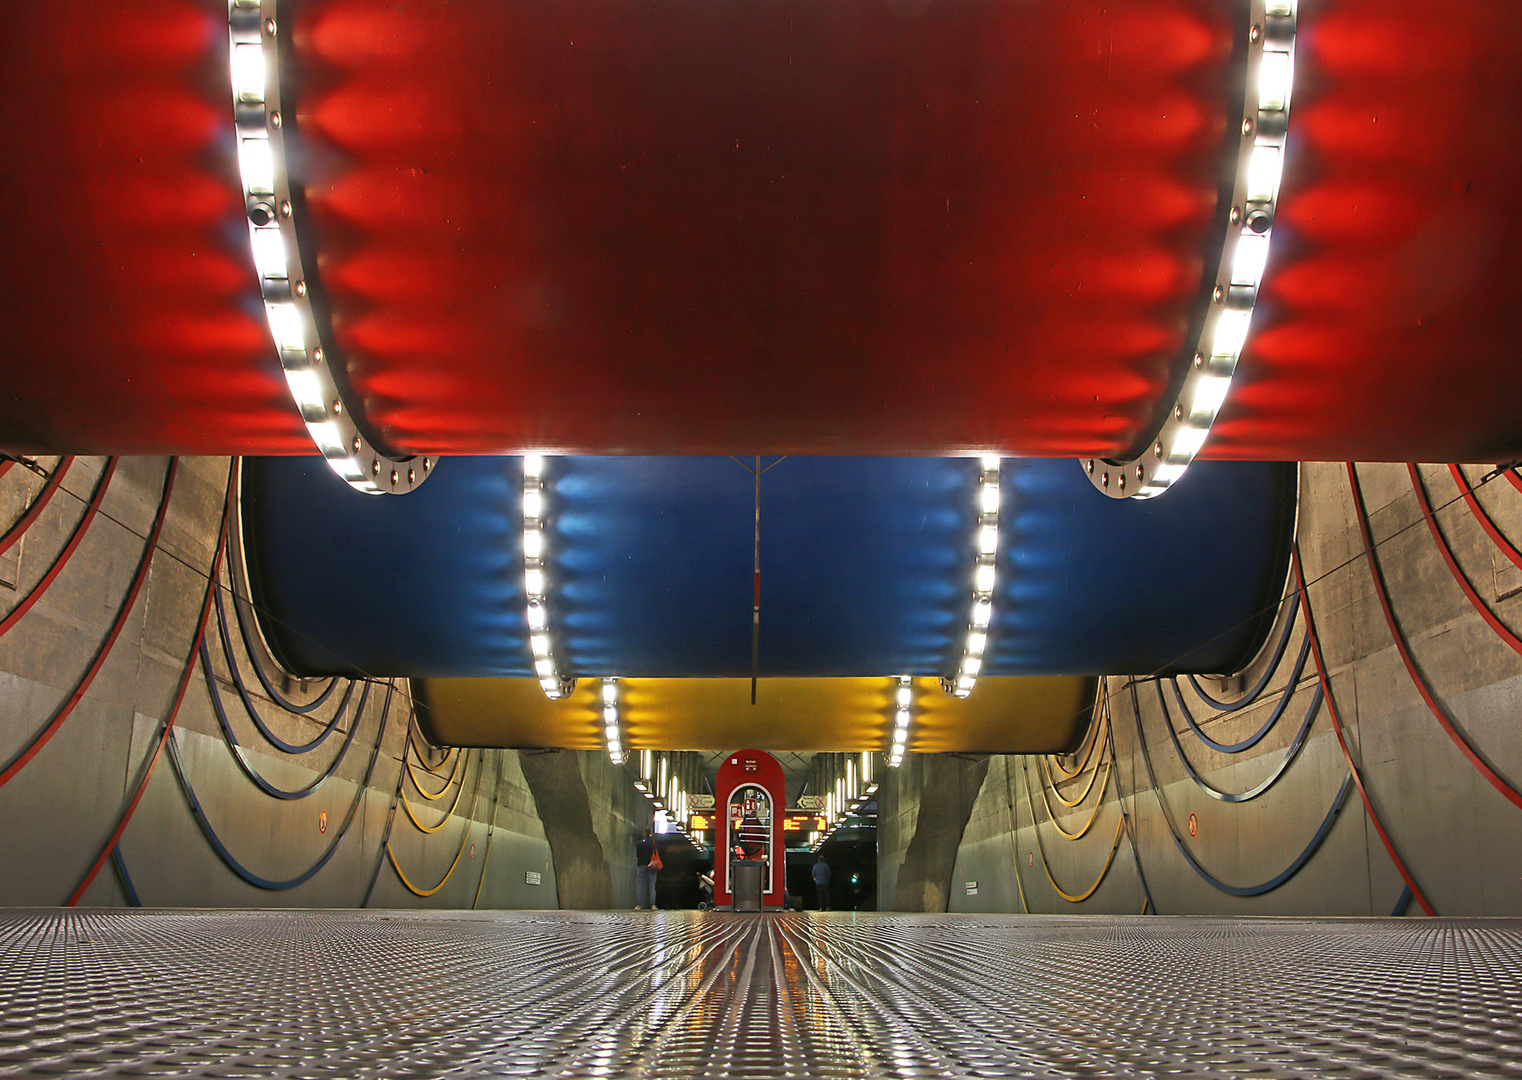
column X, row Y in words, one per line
column 1331, row 705
column 1478, row 762
column 1511, row 475
column 1446, row 550
column 68, row 550
column 138, row 580
column 1486, row 521
column 5, row 466
column 179, row 697
column 24, row 522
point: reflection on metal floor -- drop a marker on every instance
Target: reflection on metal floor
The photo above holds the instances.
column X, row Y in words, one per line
column 345, row 994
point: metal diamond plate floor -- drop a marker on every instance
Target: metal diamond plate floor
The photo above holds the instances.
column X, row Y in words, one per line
column 328, row 994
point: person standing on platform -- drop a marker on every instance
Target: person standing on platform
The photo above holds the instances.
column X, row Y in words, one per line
column 822, row 882
column 646, row 867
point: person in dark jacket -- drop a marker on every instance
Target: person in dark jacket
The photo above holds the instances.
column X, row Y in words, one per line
column 822, row 882
column 644, row 873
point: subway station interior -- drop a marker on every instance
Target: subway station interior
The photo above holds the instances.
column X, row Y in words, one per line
column 1022, row 500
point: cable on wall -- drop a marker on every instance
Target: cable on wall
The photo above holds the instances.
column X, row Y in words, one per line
column 1079, row 897
column 1331, row 708
column 139, row 578
column 110, row 848
column 82, row 526
column 227, row 857
column 1445, row 549
column 32, row 513
column 1290, row 754
column 1216, row 883
column 236, row 676
column 240, row 755
column 1403, row 648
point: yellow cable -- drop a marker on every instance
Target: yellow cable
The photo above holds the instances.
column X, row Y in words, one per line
column 1072, row 898
column 412, row 772
column 448, row 814
column 486, row 855
column 1107, row 766
column 1063, row 799
column 1014, row 829
column 464, row 836
column 1102, row 724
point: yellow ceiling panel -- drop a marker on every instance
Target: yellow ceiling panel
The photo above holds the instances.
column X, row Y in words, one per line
column 1003, row 715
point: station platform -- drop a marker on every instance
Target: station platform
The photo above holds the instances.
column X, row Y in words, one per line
column 685, row 994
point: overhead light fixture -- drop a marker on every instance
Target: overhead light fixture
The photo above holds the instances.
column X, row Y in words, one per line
column 302, row 341
column 984, row 577
column 1217, row 341
column 535, row 544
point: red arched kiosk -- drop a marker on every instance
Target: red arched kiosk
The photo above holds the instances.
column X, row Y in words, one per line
column 749, row 800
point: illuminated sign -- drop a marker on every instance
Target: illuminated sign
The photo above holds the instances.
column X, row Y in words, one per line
column 799, row 821
column 700, row 823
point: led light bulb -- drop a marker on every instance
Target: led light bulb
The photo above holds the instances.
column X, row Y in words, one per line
column 533, row 504
column 533, row 544
column 533, row 466
column 1263, row 170
column 982, row 612
column 256, row 164
column 1186, row 444
column 976, row 641
column 989, row 499
column 533, row 581
column 540, row 643
column 329, row 441
column 900, row 736
column 306, row 391
column 248, row 72
column 1166, row 474
column 269, row 253
column 971, row 665
column 536, row 619
column 983, row 579
column 1273, row 80
column 544, row 668
column 287, row 326
column 904, row 696
column 1209, row 395
column 988, row 539
column 1249, row 259
column 901, row 718
column 610, row 716
column 991, row 463
column 610, row 691
column 611, row 731
column 1230, row 332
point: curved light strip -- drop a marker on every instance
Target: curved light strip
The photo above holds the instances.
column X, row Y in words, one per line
column 982, row 583
column 534, row 583
column 255, row 70
column 1239, row 273
column 903, row 697
column 610, row 721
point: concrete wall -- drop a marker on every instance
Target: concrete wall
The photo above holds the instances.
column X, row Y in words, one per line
column 1461, row 839
column 61, row 807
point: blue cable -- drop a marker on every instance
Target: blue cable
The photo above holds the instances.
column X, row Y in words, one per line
column 239, row 754
column 1238, row 890
column 248, row 703
column 1268, row 725
column 1269, row 781
column 123, row 876
column 1404, row 902
column 401, row 774
column 221, row 849
column 1252, row 695
column 253, row 656
column 1130, row 825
